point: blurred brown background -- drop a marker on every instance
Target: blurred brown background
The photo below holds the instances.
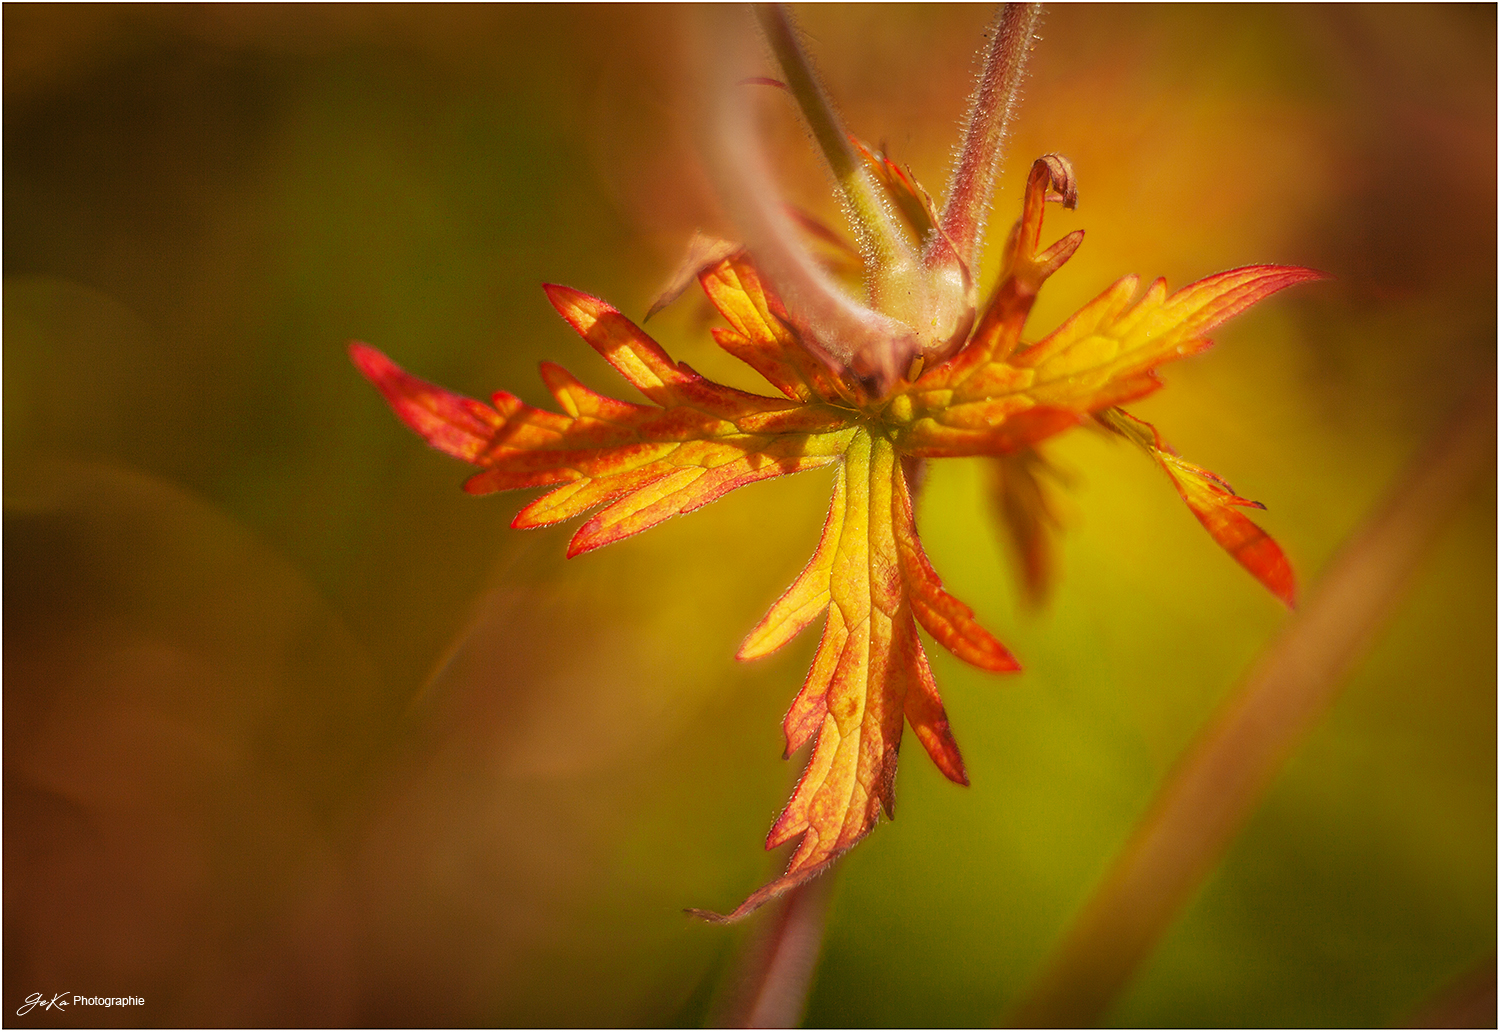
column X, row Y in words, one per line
column 297, row 733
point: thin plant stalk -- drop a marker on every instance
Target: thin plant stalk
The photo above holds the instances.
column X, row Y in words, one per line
column 846, row 334
column 918, row 304
column 775, row 969
column 951, row 252
column 876, row 229
column 1227, row 770
column 991, row 111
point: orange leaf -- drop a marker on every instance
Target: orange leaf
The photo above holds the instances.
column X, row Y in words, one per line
column 761, row 335
column 1110, row 339
column 1104, row 355
column 1026, row 266
column 807, row 598
column 449, row 422
column 870, row 674
column 949, row 621
column 699, row 441
column 634, row 465
column 1214, row 503
column 1026, row 513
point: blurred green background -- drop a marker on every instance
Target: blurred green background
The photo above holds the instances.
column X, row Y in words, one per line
column 298, row 733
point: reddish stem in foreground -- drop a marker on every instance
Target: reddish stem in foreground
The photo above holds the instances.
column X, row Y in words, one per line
column 1228, row 769
column 775, row 968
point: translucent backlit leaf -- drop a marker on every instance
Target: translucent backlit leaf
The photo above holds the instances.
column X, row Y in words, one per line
column 1024, row 505
column 627, row 466
column 643, row 463
column 870, row 675
column 1216, row 506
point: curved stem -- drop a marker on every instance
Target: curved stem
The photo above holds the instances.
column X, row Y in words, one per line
column 849, row 336
column 1227, row 770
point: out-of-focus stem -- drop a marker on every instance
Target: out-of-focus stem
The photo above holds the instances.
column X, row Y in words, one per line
column 1468, row 1002
column 1226, row 771
column 990, row 112
column 776, row 968
column 876, row 228
column 850, row 336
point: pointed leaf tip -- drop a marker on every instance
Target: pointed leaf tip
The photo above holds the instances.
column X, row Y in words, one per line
column 1215, row 505
column 557, row 293
column 643, row 463
column 704, row 252
column 711, row 916
column 449, row 422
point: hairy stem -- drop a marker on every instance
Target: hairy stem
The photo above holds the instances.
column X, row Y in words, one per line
column 876, row 230
column 1227, row 770
column 990, row 114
